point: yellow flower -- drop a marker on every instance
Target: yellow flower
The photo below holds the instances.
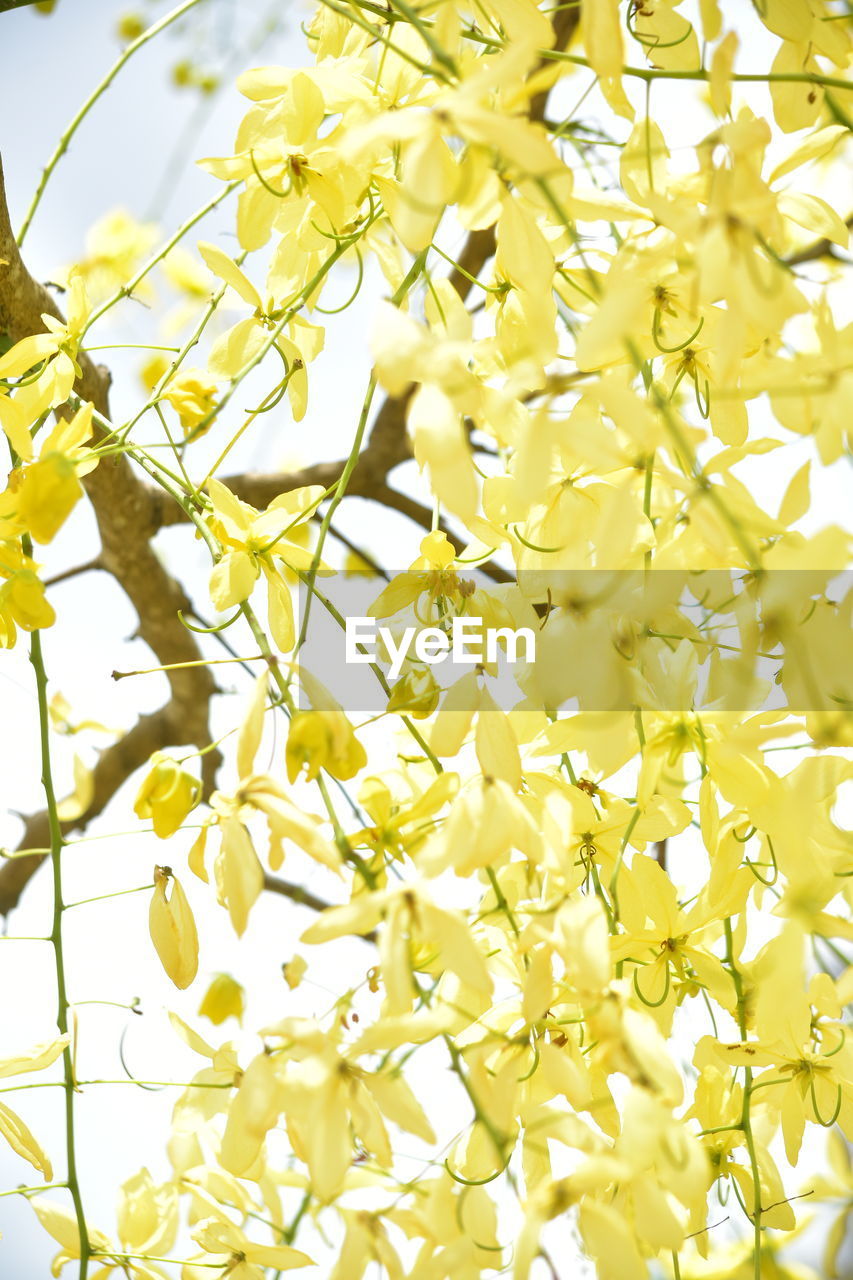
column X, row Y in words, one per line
column 401, row 824
column 172, row 927
column 243, row 342
column 807, row 1079
column 252, row 541
column 226, row 1246
column 39, row 1057
column 432, row 574
column 64, row 720
column 49, row 492
column 22, row 1142
column 413, row 932
column 22, row 599
column 416, row 694
column 666, row 941
column 486, row 821
column 61, row 1223
column 281, row 156
column 224, row 998
column 294, row 971
column 286, row 821
column 130, row 25
column 323, row 740
column 147, row 1214
column 12, row 1127
column 115, row 246
column 327, row 1098
column 54, row 356
column 41, row 495
column 438, row 358
column 167, row 795
column 191, row 393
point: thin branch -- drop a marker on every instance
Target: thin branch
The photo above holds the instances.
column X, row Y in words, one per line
column 126, row 522
column 115, row 765
column 820, row 249
column 296, row 893
column 68, row 134
column 304, row 898
column 423, row 516
column 357, row 551
column 129, row 513
column 256, row 488
column 75, row 571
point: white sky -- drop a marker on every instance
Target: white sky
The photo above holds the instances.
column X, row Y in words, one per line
column 49, row 67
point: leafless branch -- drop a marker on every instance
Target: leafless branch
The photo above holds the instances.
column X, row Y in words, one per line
column 75, row 571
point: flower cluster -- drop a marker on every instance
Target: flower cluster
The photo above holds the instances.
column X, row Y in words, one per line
column 590, row 910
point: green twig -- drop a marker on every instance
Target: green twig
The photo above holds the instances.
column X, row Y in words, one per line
column 56, row 843
column 71, row 129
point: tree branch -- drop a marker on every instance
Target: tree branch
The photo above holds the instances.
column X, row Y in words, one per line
column 7, row 5
column 256, row 488
column 91, row 566
column 387, row 445
column 304, row 898
column 115, row 765
column 126, row 521
column 129, row 513
column 820, row 249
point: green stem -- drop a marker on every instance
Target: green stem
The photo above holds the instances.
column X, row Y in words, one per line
column 658, row 73
column 746, row 1124
column 647, row 499
column 68, row 134
column 340, row 489
column 56, row 843
column 26, row 1191
column 614, row 879
column 290, row 1232
column 413, row 17
column 87, row 1084
column 127, row 289
column 346, row 11
column 337, row 498
column 377, row 671
column 503, row 905
column 344, row 847
column 499, row 1140
column 101, row 897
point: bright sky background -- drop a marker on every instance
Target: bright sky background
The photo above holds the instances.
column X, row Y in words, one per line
column 138, row 131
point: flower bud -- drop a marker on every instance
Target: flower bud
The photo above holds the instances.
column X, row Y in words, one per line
column 294, row 971
column 224, row 998
column 323, row 740
column 416, row 694
column 172, row 928
column 48, row 493
column 167, row 795
column 130, row 26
